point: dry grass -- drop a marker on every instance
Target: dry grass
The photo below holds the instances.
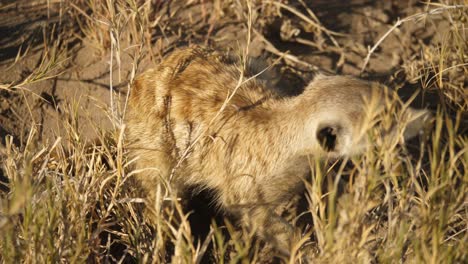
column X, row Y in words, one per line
column 72, row 199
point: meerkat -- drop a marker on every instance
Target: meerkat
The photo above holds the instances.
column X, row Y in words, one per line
column 192, row 120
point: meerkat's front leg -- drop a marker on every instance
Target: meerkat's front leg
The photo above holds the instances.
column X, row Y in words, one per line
column 270, row 227
column 256, row 208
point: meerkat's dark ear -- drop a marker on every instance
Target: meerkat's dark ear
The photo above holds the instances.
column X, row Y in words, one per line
column 327, row 136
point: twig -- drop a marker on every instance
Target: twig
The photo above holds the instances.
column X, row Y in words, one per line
column 400, row 22
column 329, row 33
column 271, row 48
column 305, row 18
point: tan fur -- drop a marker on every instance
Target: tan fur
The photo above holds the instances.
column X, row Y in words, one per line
column 254, row 152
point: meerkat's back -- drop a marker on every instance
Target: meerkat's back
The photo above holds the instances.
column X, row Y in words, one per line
column 198, row 79
column 192, row 91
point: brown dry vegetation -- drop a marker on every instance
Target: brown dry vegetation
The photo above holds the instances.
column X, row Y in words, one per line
column 66, row 192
